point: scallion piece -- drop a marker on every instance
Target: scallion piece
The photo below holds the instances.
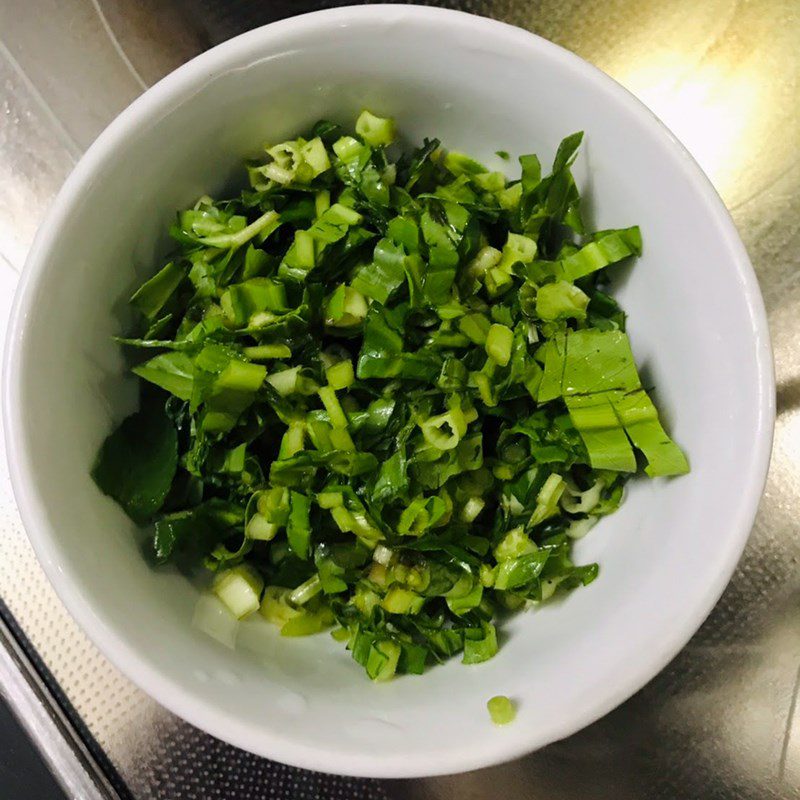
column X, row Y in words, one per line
column 501, row 710
column 239, row 588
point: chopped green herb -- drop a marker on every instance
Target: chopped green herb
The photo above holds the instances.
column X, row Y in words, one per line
column 386, row 396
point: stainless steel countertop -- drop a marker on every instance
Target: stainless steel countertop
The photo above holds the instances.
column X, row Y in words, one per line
column 721, row 720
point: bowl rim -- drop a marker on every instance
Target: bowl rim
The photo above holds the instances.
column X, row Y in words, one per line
column 186, row 703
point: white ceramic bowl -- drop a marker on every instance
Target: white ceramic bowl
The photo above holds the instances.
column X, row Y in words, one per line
column 696, row 320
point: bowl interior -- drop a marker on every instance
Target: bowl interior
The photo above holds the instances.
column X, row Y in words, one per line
column 695, row 323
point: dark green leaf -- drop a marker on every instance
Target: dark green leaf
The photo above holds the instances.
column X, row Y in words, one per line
column 137, row 463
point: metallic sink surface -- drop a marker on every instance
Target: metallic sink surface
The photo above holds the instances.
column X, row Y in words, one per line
column 721, row 721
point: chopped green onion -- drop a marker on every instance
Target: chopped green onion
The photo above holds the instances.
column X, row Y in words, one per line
column 445, row 431
column 375, row 131
column 214, row 618
column 340, row 375
column 345, row 308
column 479, row 644
column 578, row 528
column 382, row 555
column 239, row 588
column 322, row 202
column 285, row 381
column 382, row 660
column 472, row 508
column 501, row 710
column 275, row 607
column 334, row 408
column 261, row 529
column 267, row 221
column 387, row 396
column 402, row 601
column 330, row 499
column 303, row 593
column 514, row 544
column 307, row 624
column 561, row 300
column 498, row 344
column 265, row 352
column 341, row 439
column 475, row 327
column 547, row 499
column 293, row 440
column 241, row 376
column 576, row 502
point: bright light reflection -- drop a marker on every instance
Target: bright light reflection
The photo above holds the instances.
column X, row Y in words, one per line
column 714, row 111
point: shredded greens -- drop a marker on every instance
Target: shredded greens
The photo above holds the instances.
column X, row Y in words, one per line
column 383, row 395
